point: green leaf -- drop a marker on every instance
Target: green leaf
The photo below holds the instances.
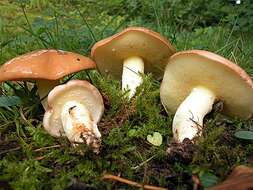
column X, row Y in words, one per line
column 156, row 139
column 207, row 179
column 246, row 135
column 6, row 101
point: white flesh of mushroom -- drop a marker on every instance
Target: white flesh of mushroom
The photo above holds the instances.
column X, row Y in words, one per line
column 78, row 124
column 133, row 67
column 44, row 87
column 188, row 120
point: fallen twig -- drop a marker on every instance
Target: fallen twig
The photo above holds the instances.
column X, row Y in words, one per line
column 10, row 150
column 48, row 147
column 196, row 182
column 132, row 183
column 141, row 164
column 39, row 158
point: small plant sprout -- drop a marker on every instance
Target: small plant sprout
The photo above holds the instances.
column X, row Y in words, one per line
column 128, row 54
column 74, row 109
column 193, row 81
column 156, row 139
column 46, row 67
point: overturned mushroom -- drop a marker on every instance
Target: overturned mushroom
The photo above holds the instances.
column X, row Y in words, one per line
column 125, row 54
column 193, row 81
column 46, row 67
column 74, row 109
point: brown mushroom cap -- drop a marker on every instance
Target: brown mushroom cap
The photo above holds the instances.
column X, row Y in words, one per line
column 194, row 68
column 153, row 48
column 75, row 90
column 44, row 64
column 241, row 178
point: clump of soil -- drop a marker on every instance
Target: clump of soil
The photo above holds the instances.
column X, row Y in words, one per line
column 181, row 152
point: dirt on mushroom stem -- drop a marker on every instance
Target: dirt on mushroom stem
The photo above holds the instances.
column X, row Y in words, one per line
column 94, row 142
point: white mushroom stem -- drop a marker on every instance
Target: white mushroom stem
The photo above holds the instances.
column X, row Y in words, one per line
column 44, row 87
column 133, row 67
column 188, row 120
column 78, row 124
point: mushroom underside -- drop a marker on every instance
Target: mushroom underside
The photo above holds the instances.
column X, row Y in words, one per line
column 74, row 110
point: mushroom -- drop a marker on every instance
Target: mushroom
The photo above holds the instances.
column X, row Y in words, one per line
column 193, row 81
column 124, row 55
column 74, row 109
column 46, row 67
column 241, row 178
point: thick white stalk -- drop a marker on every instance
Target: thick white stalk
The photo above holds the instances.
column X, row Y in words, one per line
column 188, row 120
column 133, row 67
column 79, row 126
column 44, row 87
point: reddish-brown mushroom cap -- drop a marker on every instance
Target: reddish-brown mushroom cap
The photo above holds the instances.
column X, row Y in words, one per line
column 153, row 48
column 194, row 68
column 44, row 64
